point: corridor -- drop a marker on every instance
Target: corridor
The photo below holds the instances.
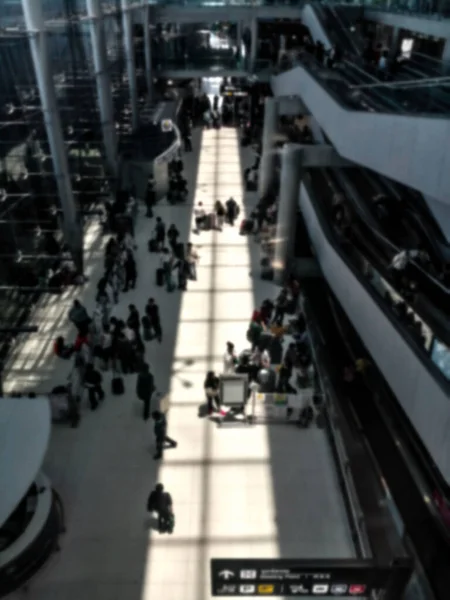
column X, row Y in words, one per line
column 261, row 492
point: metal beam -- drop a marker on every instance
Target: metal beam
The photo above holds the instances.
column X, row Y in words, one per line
column 38, row 42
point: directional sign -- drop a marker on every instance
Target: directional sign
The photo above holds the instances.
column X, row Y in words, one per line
column 315, row 578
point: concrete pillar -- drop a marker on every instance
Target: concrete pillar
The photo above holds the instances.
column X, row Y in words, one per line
column 103, row 84
column 127, row 24
column 291, row 174
column 239, row 38
column 267, row 163
column 253, row 43
column 148, row 53
column 71, row 223
column 294, row 159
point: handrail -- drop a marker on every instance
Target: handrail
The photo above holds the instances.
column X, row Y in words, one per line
column 397, row 249
column 433, row 325
column 356, row 513
column 345, row 30
column 420, row 351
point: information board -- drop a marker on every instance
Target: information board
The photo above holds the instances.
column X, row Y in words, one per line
column 287, row 577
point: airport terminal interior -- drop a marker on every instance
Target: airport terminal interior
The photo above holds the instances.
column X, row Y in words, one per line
column 224, row 294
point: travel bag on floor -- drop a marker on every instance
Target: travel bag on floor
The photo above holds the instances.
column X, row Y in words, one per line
column 246, row 227
column 152, row 245
column 160, row 277
column 117, row 386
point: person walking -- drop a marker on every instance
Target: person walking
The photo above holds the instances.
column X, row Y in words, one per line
column 152, row 312
column 160, row 502
column 229, row 359
column 192, row 259
column 160, row 430
column 211, row 387
column 79, row 317
column 93, row 384
column 160, row 233
column 145, row 386
column 231, row 210
column 130, row 271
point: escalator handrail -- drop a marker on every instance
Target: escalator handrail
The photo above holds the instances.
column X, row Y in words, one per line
column 421, row 353
column 431, row 317
column 356, row 49
column 395, row 250
column 311, row 66
column 380, row 388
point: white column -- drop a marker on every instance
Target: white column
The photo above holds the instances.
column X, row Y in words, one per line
column 34, row 22
column 267, row 163
column 254, row 43
column 127, row 24
column 291, row 173
column 103, row 80
column 148, row 53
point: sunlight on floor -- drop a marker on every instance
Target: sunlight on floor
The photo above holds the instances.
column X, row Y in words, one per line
column 224, row 501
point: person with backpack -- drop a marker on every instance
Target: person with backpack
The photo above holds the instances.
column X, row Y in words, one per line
column 145, row 386
column 160, row 502
column 160, row 430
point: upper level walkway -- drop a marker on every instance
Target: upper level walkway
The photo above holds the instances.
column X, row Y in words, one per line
column 263, row 491
column 404, row 145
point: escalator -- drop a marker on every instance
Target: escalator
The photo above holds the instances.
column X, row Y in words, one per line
column 424, row 529
column 429, row 302
column 374, row 130
column 325, row 25
column 399, row 222
column 388, row 333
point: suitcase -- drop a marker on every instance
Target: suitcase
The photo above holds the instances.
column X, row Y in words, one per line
column 117, row 386
column 160, row 277
column 152, row 245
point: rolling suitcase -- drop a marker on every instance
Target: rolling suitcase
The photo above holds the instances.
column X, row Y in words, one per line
column 160, row 277
column 152, row 245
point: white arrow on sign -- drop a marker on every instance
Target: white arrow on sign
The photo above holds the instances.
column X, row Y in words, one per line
column 226, row 574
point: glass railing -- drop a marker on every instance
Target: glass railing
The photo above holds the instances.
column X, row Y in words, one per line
column 358, row 90
column 434, row 9
column 211, row 63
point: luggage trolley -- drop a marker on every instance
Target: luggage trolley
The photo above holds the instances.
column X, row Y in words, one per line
column 280, row 408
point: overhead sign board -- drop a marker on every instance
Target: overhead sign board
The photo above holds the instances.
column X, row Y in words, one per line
column 312, row 578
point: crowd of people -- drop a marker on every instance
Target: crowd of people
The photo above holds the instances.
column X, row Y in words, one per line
column 106, row 341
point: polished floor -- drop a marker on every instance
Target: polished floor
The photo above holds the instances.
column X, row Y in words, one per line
column 262, row 492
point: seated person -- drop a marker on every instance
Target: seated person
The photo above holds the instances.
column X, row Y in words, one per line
column 61, row 350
